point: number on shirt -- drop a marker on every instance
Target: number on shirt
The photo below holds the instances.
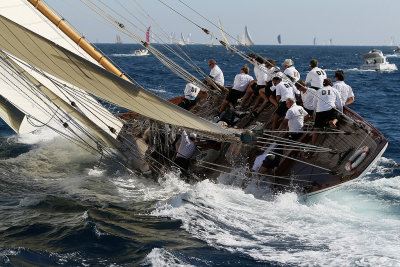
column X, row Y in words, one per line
column 320, row 72
column 324, row 92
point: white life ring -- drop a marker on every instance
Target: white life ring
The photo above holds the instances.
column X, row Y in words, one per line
column 356, row 158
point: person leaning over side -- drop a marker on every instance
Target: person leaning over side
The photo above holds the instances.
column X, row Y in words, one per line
column 326, row 102
column 316, row 75
column 186, row 150
column 191, row 92
column 345, row 91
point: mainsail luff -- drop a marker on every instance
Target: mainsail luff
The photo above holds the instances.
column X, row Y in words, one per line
column 65, row 65
column 79, row 40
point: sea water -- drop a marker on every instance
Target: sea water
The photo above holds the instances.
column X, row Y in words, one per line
column 60, row 207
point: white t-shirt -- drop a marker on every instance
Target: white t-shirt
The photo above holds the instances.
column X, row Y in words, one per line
column 259, row 160
column 316, row 77
column 272, row 72
column 327, row 98
column 191, row 91
column 285, row 90
column 292, row 73
column 308, row 98
column 217, row 75
column 296, row 115
column 260, row 72
column 241, row 82
column 344, row 89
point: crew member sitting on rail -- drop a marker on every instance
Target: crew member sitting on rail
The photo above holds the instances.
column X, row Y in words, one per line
column 345, row 91
column 267, row 93
column 326, row 102
column 260, row 71
column 191, row 92
column 316, row 75
column 186, row 150
column 294, row 118
column 307, row 96
column 284, row 90
column 240, row 84
column 216, row 74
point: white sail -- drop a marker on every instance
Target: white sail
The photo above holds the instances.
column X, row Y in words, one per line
column 246, row 39
column 182, row 40
column 223, row 32
column 25, row 14
column 67, row 66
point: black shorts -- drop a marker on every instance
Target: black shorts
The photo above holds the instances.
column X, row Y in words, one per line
column 187, row 103
column 282, row 109
column 268, row 91
column 309, row 111
column 271, row 161
column 233, row 96
column 256, row 88
column 323, row 118
column 294, row 136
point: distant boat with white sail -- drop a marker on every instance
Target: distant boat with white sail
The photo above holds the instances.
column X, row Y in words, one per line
column 246, row 38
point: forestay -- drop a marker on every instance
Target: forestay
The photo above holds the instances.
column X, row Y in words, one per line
column 65, row 65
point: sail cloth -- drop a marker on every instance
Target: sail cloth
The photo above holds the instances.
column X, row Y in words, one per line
column 223, row 32
column 23, row 13
column 246, row 40
column 65, row 65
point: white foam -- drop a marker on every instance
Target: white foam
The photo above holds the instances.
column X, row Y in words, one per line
column 353, row 225
column 162, row 257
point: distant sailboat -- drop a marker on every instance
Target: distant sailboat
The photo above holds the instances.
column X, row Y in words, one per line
column 315, row 41
column 182, row 40
column 331, row 41
column 118, row 40
column 279, row 39
column 211, row 44
column 246, row 39
column 188, row 38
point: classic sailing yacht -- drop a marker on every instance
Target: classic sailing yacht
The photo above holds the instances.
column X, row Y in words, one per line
column 246, row 39
column 49, row 74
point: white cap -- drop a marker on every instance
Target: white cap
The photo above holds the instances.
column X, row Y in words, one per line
column 193, row 135
column 288, row 62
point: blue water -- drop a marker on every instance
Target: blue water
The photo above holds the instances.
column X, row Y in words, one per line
column 59, row 207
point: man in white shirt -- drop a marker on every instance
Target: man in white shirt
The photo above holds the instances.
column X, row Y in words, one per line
column 316, row 75
column 345, row 91
column 260, row 71
column 240, row 84
column 284, row 90
column 191, row 92
column 307, row 96
column 326, row 102
column 294, row 118
column 290, row 70
column 216, row 73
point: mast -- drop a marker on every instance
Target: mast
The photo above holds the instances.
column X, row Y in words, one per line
column 79, row 40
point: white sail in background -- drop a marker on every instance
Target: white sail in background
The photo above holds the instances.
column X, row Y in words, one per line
column 315, row 41
column 25, row 14
column 182, row 40
column 223, row 32
column 69, row 67
column 246, row 39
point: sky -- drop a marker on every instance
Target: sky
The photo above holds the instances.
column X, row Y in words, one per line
column 347, row 22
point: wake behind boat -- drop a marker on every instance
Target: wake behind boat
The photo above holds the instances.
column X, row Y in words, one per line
column 375, row 60
column 145, row 140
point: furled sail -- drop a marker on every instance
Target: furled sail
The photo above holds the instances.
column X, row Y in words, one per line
column 246, row 39
column 222, row 32
column 67, row 66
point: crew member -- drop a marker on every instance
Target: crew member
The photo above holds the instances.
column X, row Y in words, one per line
column 294, row 118
column 325, row 102
column 307, row 96
column 216, row 73
column 186, row 150
column 316, row 75
column 290, row 70
column 345, row 91
column 191, row 92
